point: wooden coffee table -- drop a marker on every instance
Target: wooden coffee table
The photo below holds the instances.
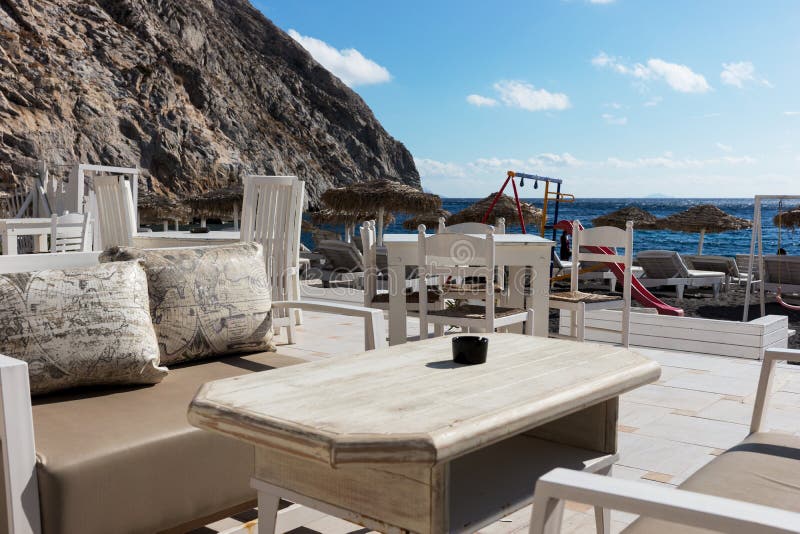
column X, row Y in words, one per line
column 403, row 439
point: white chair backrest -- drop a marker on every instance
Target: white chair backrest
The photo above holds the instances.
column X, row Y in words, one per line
column 472, row 227
column 272, row 211
column 70, row 232
column 456, row 254
column 115, row 217
column 601, row 236
column 25, row 263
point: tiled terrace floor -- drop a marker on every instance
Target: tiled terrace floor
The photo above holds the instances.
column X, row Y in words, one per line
column 667, row 430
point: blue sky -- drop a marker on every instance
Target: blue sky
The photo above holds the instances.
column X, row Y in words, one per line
column 619, row 98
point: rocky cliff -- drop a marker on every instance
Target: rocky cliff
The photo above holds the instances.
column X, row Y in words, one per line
column 193, row 92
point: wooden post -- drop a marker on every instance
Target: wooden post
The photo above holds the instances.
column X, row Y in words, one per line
column 236, row 217
column 700, row 243
column 380, row 226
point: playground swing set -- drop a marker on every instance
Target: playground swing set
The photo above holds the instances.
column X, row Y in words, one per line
column 639, row 292
column 757, row 238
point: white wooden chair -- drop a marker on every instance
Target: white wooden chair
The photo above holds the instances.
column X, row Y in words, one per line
column 70, row 232
column 272, row 211
column 115, row 215
column 576, row 301
column 459, row 290
column 761, row 472
column 472, row 227
column 447, row 255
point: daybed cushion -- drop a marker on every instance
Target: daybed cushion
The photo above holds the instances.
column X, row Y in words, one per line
column 206, row 301
column 127, row 460
column 79, row 327
column 763, row 469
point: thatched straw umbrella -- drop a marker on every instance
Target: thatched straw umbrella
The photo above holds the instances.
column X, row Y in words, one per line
column 348, row 219
column 505, row 207
column 154, row 208
column 642, row 220
column 788, row 219
column 431, row 220
column 223, row 203
column 701, row 219
column 380, row 196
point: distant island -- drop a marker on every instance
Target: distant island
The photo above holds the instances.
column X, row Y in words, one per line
column 659, row 195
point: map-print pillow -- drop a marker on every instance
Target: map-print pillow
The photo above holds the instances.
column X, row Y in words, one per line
column 80, row 327
column 206, row 301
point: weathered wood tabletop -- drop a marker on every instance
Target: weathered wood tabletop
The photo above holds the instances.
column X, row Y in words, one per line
column 411, row 404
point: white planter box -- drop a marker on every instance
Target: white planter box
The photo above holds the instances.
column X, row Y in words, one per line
column 688, row 334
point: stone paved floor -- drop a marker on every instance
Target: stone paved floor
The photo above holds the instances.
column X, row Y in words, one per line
column 667, row 430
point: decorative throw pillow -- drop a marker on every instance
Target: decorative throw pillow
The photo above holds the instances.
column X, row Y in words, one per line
column 206, row 301
column 80, row 327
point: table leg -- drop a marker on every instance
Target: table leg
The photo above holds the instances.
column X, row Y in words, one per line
column 267, row 512
column 397, row 303
column 540, row 297
column 9, row 242
column 516, row 293
column 41, row 244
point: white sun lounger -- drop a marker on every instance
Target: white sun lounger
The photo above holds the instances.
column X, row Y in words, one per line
column 783, row 272
column 666, row 268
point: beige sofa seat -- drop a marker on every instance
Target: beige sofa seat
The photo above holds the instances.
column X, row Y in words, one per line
column 763, row 469
column 127, row 460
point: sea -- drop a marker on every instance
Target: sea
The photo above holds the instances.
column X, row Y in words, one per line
column 586, row 209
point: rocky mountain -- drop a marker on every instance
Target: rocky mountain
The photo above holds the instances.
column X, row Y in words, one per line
column 193, row 92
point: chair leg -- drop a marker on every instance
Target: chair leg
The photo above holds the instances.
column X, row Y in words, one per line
column 602, row 516
column 581, row 320
column 679, row 291
column 290, row 329
column 716, row 291
column 529, row 323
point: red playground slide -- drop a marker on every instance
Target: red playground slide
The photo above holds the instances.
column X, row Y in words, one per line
column 638, row 291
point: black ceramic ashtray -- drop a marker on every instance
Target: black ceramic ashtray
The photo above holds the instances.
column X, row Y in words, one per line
column 199, row 230
column 470, row 350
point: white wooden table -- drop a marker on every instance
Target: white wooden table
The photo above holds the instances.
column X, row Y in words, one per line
column 11, row 229
column 516, row 251
column 184, row 238
column 402, row 439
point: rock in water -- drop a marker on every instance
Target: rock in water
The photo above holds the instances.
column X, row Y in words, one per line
column 194, row 93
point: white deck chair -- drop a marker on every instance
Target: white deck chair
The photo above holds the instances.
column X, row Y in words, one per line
column 576, row 301
column 782, row 272
column 666, row 268
column 447, row 255
column 272, row 210
column 70, row 232
column 116, row 216
column 745, row 272
column 723, row 264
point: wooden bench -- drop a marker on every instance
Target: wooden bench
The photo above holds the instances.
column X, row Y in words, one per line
column 753, row 487
column 125, row 459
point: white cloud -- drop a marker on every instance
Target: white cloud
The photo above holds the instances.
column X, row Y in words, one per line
column 723, row 147
column 679, row 77
column 613, row 119
column 792, row 113
column 525, row 96
column 739, row 73
column 656, row 100
column 348, row 64
column 431, row 167
column 601, row 2
column 613, row 105
column 478, row 100
column 555, row 160
column 668, row 161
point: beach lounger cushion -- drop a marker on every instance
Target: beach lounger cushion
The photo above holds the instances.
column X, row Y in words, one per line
column 206, row 301
column 763, row 469
column 127, row 459
column 77, row 327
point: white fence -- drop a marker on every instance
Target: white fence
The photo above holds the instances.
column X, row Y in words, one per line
column 688, row 334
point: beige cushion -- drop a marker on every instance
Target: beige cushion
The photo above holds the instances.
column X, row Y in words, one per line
column 80, row 327
column 206, row 301
column 763, row 469
column 127, row 460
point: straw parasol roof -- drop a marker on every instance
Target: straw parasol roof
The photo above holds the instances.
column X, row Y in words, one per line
column 431, row 220
column 329, row 216
column 788, row 219
column 505, row 207
column 703, row 218
column 154, row 208
column 380, row 194
column 217, row 202
column 642, row 220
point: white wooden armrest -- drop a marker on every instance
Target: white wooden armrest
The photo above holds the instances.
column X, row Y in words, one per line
column 765, row 382
column 374, row 327
column 19, row 452
column 679, row 506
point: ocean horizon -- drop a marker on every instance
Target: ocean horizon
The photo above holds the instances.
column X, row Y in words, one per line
column 586, row 209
